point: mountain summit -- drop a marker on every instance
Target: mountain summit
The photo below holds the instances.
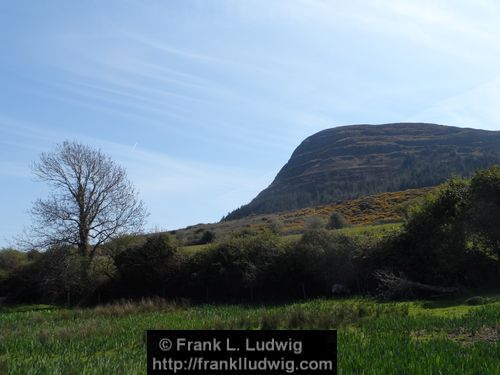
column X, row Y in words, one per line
column 347, row 162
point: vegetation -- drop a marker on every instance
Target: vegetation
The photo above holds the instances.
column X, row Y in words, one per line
column 349, row 162
column 91, row 200
column 373, row 210
column 449, row 241
column 336, row 221
column 452, row 237
column 420, row 337
column 442, row 244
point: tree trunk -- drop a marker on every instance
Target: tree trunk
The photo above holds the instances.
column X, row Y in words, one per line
column 303, row 288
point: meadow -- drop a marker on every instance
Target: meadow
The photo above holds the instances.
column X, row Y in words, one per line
column 455, row 336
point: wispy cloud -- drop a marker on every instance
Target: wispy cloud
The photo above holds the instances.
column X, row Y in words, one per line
column 476, row 107
column 153, row 172
column 204, row 101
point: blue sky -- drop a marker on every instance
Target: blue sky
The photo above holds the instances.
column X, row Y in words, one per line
column 204, row 101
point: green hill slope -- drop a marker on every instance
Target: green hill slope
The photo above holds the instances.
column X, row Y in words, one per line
column 348, row 162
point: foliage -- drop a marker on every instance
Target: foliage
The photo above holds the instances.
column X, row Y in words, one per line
column 314, row 222
column 336, row 221
column 345, row 163
column 10, row 261
column 385, row 208
column 207, row 237
column 145, row 270
column 373, row 338
column 442, row 244
column 483, row 210
column 59, row 274
column 235, row 267
column 448, row 238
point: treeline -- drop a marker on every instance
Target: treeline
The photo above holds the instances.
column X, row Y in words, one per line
column 245, row 267
column 416, row 170
column 451, row 238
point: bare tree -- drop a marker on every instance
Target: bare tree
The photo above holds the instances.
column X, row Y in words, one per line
column 91, row 200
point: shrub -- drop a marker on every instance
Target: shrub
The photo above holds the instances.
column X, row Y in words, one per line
column 313, row 223
column 451, row 237
column 236, row 268
column 207, row 237
column 336, row 221
column 51, row 276
column 317, row 261
column 144, row 270
column 10, row 262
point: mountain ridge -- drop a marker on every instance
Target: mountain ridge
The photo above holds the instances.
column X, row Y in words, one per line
column 350, row 161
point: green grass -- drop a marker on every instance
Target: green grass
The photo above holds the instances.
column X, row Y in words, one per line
column 377, row 231
column 424, row 337
column 193, row 249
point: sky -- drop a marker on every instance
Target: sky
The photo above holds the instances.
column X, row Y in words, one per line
column 204, row 101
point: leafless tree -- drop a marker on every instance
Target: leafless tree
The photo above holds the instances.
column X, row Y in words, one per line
column 91, row 200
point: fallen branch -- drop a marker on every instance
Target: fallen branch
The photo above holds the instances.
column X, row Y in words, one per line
column 392, row 286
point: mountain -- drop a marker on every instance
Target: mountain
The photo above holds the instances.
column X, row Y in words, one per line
column 348, row 162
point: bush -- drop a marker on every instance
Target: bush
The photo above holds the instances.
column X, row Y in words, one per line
column 10, row 262
column 236, row 268
column 451, row 238
column 145, row 270
column 317, row 261
column 336, row 221
column 483, row 211
column 207, row 237
column 313, row 223
column 51, row 276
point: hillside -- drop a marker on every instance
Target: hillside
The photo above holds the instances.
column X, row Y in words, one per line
column 348, row 162
column 375, row 209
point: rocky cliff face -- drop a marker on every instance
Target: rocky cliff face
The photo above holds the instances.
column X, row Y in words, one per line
column 351, row 161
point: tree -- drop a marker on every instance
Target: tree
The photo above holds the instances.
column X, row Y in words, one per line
column 483, row 214
column 146, row 269
column 91, row 200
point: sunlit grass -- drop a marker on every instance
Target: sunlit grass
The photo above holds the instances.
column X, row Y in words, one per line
column 374, row 338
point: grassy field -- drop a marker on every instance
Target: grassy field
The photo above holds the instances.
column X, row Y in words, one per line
column 424, row 337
